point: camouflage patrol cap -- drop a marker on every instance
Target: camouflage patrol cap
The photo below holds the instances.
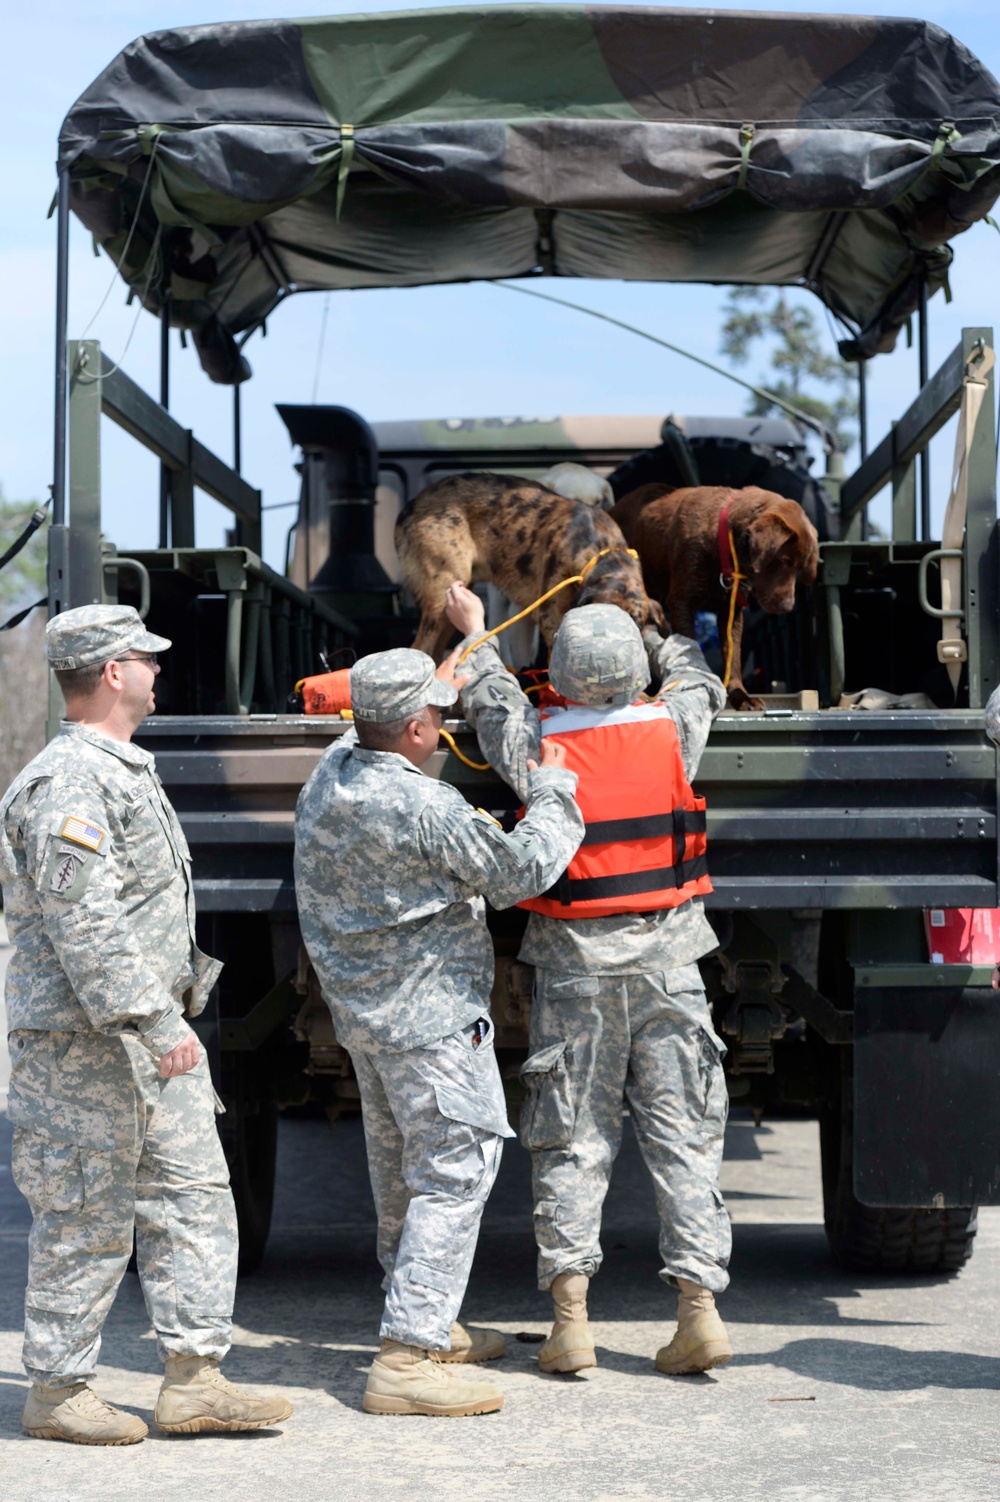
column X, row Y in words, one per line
column 598, row 656
column 91, row 634
column 391, row 685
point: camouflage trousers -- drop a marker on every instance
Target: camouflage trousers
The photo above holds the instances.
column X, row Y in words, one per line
column 103, row 1146
column 434, row 1122
column 598, row 1041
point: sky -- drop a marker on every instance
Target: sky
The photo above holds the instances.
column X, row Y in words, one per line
column 408, row 353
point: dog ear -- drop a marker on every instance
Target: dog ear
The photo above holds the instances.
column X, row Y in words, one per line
column 768, row 534
column 774, row 532
column 810, row 555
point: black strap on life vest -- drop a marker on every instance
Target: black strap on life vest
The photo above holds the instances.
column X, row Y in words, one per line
column 628, row 884
column 680, row 822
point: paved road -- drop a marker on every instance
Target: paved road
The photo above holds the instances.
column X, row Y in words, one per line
column 5, row 953
column 894, row 1380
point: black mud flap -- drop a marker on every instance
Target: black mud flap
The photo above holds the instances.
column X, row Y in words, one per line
column 926, row 1096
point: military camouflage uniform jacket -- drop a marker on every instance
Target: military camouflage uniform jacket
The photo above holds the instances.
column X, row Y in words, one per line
column 391, row 868
column 98, row 897
column 507, row 724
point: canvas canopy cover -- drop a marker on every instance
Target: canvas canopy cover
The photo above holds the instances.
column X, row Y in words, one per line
column 228, row 166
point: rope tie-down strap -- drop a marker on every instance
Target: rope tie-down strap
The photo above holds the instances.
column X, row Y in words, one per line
column 952, row 649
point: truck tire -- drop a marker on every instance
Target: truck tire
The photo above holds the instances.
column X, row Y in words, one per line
column 872, row 1239
column 250, row 1139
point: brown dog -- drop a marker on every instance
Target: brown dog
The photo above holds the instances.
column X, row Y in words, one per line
column 676, row 534
column 523, row 538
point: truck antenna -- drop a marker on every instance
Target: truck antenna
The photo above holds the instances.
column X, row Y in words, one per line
column 829, row 438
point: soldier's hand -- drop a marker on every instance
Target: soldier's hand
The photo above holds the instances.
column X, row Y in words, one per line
column 180, row 1059
column 553, row 755
column 464, row 609
column 446, row 672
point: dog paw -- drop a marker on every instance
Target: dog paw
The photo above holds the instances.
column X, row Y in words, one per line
column 657, row 619
column 739, row 699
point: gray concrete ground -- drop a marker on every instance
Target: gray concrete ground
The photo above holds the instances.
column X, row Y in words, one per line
column 5, row 953
column 843, row 1388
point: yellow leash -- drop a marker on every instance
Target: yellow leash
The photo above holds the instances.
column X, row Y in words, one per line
column 484, row 766
column 477, row 766
column 734, row 591
column 564, row 584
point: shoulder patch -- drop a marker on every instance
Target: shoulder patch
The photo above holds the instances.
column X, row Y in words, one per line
column 67, row 869
column 63, row 873
column 92, row 836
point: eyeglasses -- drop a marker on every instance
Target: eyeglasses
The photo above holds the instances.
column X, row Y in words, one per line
column 150, row 658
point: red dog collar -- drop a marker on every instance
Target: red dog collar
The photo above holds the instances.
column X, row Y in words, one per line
column 728, row 562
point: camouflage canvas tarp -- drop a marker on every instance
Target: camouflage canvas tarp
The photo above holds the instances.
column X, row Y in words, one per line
column 230, row 165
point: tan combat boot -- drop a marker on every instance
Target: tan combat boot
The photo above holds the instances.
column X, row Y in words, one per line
column 570, row 1347
column 408, row 1379
column 473, row 1344
column 701, row 1341
column 75, row 1413
column 195, row 1396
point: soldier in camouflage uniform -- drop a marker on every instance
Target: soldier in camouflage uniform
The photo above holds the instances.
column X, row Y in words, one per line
column 110, row 1096
column 391, row 868
column 619, row 1010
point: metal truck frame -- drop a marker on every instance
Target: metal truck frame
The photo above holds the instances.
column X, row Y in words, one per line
column 830, row 833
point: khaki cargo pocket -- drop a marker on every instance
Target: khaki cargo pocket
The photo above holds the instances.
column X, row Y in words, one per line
column 548, row 1114
column 75, row 1122
column 469, row 1161
column 48, row 1174
column 723, row 1229
column 437, row 1279
column 98, row 1175
column 45, row 1301
column 206, row 972
column 472, row 1108
column 715, row 1091
column 551, row 986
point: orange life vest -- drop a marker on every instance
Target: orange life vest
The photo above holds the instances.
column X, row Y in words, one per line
column 644, row 846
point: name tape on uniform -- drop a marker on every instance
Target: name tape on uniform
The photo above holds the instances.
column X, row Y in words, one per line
column 90, row 835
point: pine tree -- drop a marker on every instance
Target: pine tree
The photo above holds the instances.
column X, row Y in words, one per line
column 23, row 579
column 792, row 337
column 23, row 675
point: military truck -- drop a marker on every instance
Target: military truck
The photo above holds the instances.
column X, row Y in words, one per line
column 836, row 154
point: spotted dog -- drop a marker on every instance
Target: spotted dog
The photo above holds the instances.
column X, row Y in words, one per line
column 521, row 537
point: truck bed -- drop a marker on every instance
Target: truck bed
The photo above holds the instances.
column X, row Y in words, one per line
column 806, row 809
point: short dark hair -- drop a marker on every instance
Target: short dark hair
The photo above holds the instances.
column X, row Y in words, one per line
column 79, row 683
column 385, row 735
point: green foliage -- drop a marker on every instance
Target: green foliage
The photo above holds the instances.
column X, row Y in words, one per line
column 793, row 341
column 23, row 580
column 23, row 675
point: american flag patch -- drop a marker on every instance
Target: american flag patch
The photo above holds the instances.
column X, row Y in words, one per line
column 83, row 833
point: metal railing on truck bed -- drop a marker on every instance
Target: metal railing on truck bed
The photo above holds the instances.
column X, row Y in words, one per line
column 828, row 809
column 810, row 809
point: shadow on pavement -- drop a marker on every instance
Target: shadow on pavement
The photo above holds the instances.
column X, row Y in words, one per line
column 316, row 1300
column 879, row 1368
